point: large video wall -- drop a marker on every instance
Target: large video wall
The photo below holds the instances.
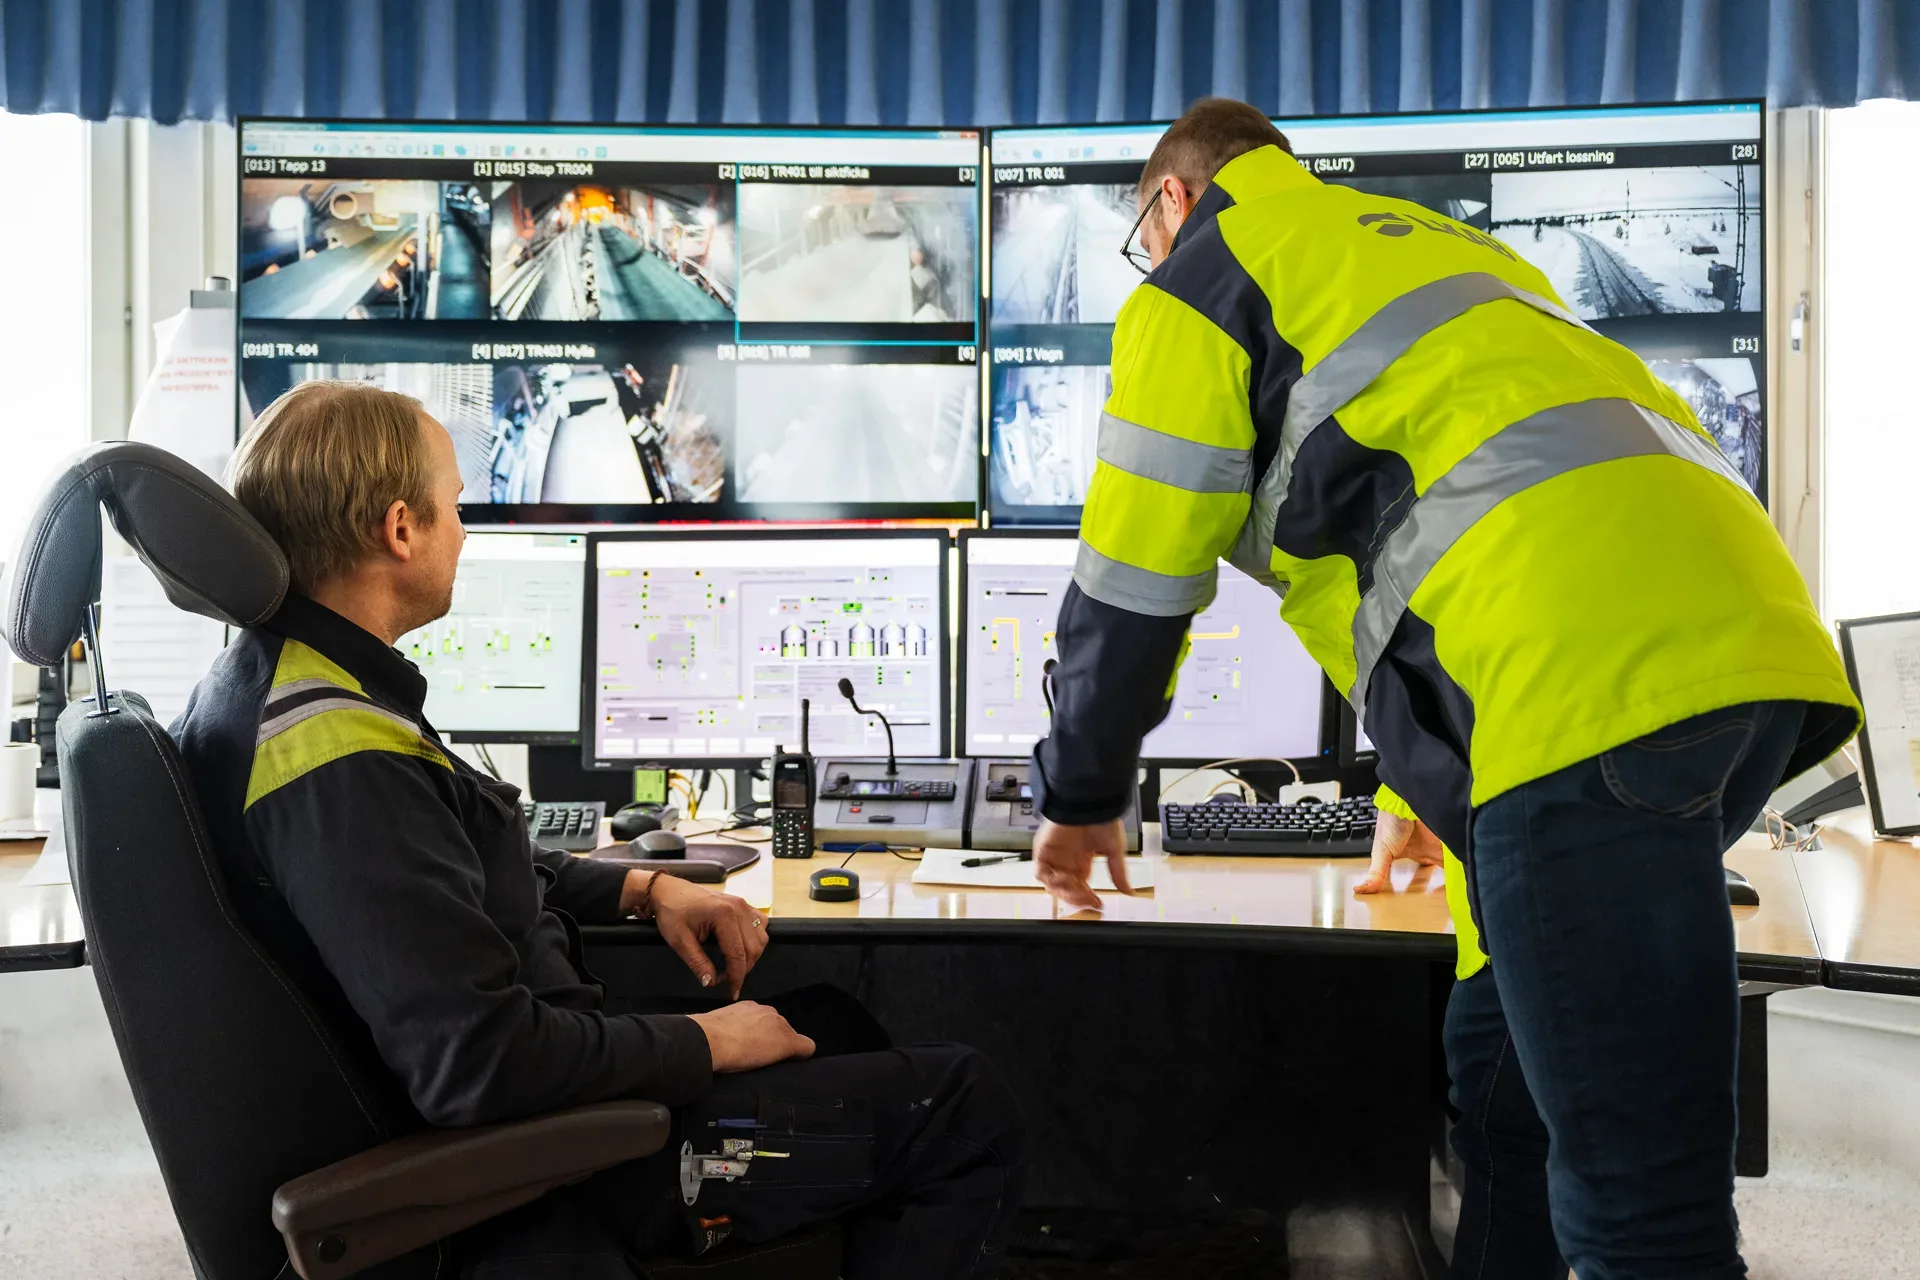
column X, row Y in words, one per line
column 632, row 325
column 1648, row 223
column 635, row 325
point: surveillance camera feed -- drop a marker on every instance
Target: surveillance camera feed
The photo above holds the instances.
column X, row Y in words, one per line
column 629, row 324
column 363, row 249
column 867, row 254
column 1639, row 242
column 1647, row 221
column 862, row 431
column 584, row 252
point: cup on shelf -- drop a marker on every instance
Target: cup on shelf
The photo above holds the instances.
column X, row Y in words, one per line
column 19, row 765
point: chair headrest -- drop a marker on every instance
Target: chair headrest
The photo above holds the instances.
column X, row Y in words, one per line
column 210, row 555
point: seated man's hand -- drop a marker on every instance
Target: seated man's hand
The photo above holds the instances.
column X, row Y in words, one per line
column 689, row 914
column 746, row 1035
column 1063, row 859
column 1394, row 838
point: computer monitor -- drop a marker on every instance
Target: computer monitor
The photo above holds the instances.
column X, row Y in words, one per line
column 700, row 647
column 634, row 324
column 1246, row 689
column 504, row 664
column 1648, row 221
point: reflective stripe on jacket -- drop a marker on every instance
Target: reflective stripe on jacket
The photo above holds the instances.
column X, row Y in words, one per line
column 1508, row 543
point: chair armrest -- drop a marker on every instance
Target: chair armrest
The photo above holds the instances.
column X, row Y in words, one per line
column 405, row 1194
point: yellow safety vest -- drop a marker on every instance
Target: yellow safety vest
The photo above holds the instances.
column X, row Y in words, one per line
column 1508, row 543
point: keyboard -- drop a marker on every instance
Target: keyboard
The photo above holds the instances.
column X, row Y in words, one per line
column 1309, row 830
column 572, row 825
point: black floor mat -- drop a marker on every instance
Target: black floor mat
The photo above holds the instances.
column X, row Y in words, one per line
column 1082, row 1244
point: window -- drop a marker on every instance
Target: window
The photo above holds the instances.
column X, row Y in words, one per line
column 1872, row 540
column 43, row 327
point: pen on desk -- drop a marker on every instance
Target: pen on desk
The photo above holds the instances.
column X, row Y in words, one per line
column 851, row 846
column 988, row 862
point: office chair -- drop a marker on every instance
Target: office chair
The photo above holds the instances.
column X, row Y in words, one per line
column 280, row 1147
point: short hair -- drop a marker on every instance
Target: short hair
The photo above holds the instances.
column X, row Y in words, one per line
column 1199, row 144
column 321, row 465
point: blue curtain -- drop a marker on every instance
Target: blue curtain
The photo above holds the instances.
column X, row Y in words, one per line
column 959, row 62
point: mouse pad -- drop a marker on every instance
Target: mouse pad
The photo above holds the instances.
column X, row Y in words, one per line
column 728, row 857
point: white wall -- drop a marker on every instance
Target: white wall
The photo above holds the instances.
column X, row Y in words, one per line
column 163, row 221
column 1872, row 554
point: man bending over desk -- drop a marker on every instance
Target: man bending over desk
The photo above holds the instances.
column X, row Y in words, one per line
column 399, row 888
column 1579, row 645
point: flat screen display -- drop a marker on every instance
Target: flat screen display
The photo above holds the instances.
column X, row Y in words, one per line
column 634, row 324
column 1246, row 689
column 504, row 663
column 1648, row 221
column 701, row 647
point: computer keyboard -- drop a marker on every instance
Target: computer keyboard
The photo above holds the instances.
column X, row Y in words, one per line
column 1310, row 830
column 572, row 825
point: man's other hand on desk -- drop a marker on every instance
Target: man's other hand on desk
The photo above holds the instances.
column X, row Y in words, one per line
column 1395, row 838
column 688, row 915
column 1063, row 859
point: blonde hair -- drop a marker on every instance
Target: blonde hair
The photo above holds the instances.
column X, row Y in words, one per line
column 321, row 465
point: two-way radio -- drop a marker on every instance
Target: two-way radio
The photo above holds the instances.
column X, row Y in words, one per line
column 793, row 794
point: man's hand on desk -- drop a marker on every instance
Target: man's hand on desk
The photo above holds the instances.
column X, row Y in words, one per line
column 747, row 1035
column 688, row 914
column 1063, row 859
column 1394, row 838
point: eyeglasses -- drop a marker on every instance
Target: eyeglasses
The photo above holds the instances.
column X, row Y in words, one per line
column 1138, row 258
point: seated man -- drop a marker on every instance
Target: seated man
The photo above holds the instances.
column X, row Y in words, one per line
column 400, row 889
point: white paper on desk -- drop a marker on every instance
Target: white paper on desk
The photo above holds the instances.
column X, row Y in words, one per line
column 942, row 866
column 187, row 406
column 51, row 866
column 152, row 648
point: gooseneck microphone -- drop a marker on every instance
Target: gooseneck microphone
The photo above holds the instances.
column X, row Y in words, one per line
column 1046, row 683
column 846, row 691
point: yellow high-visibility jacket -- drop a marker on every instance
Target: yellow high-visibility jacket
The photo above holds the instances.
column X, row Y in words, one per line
column 1509, row 544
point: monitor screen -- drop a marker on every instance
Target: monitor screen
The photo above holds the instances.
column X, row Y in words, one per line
column 1648, row 221
column 504, row 663
column 634, row 324
column 701, row 647
column 1247, row 687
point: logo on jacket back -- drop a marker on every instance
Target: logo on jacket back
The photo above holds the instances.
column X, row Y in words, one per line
column 1402, row 224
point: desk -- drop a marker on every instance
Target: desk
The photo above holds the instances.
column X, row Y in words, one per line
column 1258, row 904
column 1863, row 896
column 1302, row 905
column 1296, row 994
column 40, row 924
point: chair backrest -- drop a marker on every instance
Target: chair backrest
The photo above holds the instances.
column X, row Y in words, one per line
column 240, row 1083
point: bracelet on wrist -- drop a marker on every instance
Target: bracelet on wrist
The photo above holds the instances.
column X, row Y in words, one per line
column 643, row 908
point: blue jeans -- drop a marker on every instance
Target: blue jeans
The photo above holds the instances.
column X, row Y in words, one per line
column 1593, row 1062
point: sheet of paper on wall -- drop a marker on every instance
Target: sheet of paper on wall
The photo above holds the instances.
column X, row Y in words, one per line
column 187, row 406
column 152, row 648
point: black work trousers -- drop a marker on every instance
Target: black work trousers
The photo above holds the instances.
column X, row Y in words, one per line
column 916, row 1150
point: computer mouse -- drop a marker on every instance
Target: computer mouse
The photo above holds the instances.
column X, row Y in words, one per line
column 833, row 884
column 1740, row 890
column 662, row 844
column 635, row 820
